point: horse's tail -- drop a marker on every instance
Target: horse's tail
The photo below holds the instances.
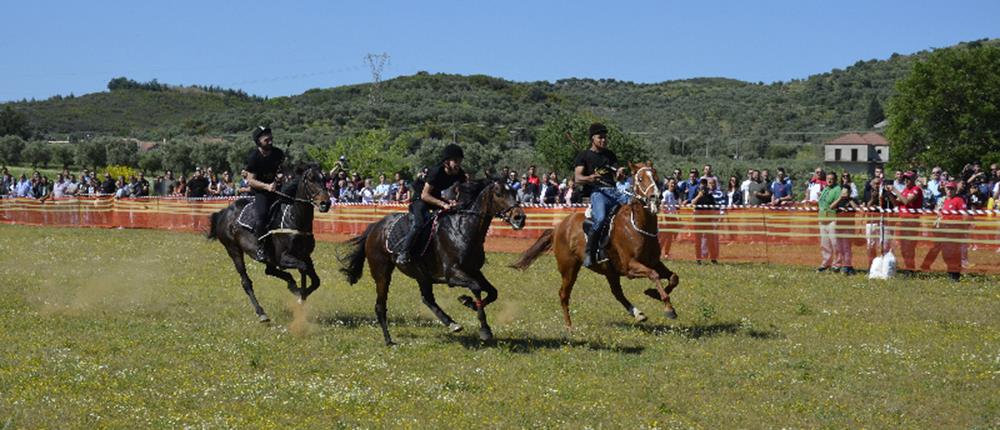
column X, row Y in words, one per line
column 354, row 262
column 541, row 245
column 212, row 225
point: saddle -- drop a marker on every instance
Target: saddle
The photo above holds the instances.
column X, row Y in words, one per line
column 399, row 227
column 275, row 214
column 605, row 236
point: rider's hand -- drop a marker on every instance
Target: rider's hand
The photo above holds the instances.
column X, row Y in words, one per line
column 272, row 187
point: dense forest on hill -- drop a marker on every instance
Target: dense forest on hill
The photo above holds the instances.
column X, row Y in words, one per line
column 702, row 118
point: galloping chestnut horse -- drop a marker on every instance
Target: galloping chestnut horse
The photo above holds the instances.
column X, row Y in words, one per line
column 634, row 250
column 291, row 238
column 454, row 255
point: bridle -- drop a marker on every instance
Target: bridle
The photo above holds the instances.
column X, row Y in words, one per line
column 643, row 194
column 504, row 215
column 310, row 197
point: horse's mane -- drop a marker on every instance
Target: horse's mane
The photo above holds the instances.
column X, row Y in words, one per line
column 468, row 191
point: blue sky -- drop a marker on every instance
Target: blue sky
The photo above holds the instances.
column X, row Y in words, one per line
column 276, row 49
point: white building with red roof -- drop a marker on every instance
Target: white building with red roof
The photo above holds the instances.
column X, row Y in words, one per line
column 857, row 153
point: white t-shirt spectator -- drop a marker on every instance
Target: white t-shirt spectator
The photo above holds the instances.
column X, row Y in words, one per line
column 59, row 189
column 813, row 191
column 383, row 192
column 367, row 195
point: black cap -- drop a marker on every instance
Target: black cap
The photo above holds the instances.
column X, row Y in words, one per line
column 260, row 131
column 452, row 151
column 597, row 128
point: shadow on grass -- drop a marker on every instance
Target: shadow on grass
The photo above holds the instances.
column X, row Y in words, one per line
column 368, row 320
column 700, row 330
column 530, row 344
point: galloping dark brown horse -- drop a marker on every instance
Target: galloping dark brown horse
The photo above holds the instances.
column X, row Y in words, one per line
column 291, row 238
column 634, row 250
column 454, row 253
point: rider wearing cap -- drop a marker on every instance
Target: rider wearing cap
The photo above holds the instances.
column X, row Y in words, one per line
column 596, row 168
column 263, row 162
column 427, row 194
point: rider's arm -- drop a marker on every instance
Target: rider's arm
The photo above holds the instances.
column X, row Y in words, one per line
column 429, row 198
column 582, row 179
column 258, row 185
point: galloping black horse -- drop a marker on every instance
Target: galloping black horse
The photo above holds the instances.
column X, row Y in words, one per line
column 290, row 235
column 454, row 255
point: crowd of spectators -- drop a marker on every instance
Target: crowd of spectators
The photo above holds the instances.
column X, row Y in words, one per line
column 978, row 187
column 974, row 184
column 201, row 183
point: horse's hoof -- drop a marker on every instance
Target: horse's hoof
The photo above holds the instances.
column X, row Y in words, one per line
column 302, row 300
column 640, row 317
column 263, row 318
column 390, row 343
column 485, row 334
column 672, row 314
column 455, row 327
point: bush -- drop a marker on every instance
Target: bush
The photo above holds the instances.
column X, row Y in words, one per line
column 116, row 171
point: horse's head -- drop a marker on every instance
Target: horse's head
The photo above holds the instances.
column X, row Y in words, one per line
column 508, row 207
column 495, row 197
column 644, row 186
column 310, row 187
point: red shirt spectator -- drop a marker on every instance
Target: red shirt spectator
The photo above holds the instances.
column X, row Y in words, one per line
column 917, row 202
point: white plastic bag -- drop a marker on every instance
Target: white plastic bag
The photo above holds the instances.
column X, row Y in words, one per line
column 883, row 267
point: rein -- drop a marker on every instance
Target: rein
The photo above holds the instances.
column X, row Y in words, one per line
column 309, row 200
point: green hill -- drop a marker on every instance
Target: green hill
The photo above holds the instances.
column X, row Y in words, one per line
column 678, row 118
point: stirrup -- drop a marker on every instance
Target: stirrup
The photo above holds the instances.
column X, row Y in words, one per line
column 260, row 255
column 402, row 258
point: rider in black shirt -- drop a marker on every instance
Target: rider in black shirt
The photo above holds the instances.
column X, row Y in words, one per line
column 427, row 194
column 263, row 162
column 596, row 169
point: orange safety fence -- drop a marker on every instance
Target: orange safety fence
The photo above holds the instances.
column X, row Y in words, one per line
column 968, row 241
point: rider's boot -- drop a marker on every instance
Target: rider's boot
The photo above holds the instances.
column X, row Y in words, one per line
column 404, row 255
column 261, row 254
column 589, row 258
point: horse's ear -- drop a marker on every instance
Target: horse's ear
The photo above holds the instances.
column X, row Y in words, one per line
column 649, row 163
column 631, row 166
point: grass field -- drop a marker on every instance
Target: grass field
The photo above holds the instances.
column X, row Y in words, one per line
column 149, row 329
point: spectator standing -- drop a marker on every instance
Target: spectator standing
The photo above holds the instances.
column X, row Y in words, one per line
column 934, row 188
column 169, row 182
column 734, row 197
column 689, row 188
column 383, row 191
column 879, row 173
column 72, row 187
column 706, row 173
column 402, row 191
column 367, row 193
column 781, row 189
column 745, row 186
column 828, row 201
column 945, row 228
column 198, row 185
column 59, row 188
column 898, row 182
column 704, row 223
column 910, row 200
column 816, row 185
column 845, row 224
column 108, row 186
column 756, row 190
column 669, row 205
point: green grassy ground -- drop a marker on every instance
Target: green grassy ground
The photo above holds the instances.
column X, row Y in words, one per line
column 139, row 329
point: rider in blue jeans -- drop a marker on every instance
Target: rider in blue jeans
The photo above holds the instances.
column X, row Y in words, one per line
column 596, row 168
